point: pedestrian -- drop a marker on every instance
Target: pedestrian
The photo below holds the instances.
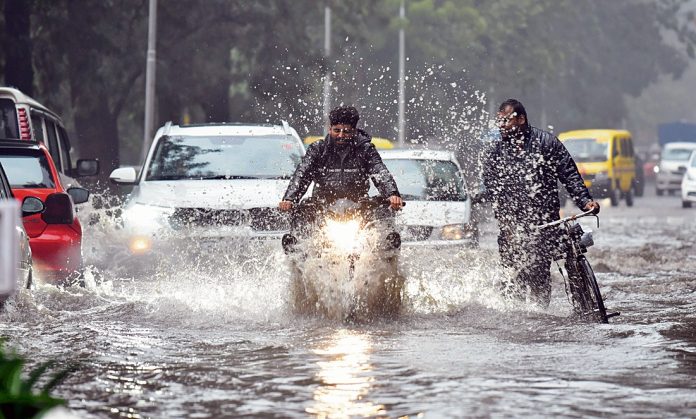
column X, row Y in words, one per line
column 521, row 175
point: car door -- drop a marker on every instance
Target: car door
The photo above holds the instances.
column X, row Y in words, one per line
column 24, row 249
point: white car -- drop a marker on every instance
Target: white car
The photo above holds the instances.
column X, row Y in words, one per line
column 688, row 186
column 438, row 206
column 208, row 183
column 670, row 171
column 24, row 269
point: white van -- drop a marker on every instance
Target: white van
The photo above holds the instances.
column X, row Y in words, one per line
column 23, row 118
column 672, row 166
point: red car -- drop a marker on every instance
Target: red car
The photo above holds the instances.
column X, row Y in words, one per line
column 55, row 235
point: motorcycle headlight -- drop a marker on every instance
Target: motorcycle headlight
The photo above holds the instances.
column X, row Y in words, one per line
column 455, row 232
column 343, row 234
column 656, row 169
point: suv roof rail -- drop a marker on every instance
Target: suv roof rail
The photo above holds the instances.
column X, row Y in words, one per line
column 286, row 127
column 167, row 128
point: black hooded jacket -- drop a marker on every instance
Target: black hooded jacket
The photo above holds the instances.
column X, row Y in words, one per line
column 523, row 184
column 341, row 171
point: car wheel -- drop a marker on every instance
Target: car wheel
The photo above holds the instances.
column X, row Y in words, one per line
column 629, row 197
column 614, row 196
column 638, row 188
column 30, row 278
column 686, row 204
column 660, row 192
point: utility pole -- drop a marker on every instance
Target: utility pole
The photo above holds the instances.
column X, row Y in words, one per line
column 402, row 75
column 327, row 67
column 150, row 79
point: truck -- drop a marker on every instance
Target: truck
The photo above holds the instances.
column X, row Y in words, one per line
column 671, row 132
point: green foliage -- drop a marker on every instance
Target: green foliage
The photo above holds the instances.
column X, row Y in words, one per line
column 258, row 60
column 26, row 397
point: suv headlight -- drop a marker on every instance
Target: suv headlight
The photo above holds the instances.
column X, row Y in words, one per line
column 455, row 232
column 690, row 176
column 143, row 219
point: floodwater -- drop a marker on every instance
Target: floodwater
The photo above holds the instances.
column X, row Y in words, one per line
column 191, row 343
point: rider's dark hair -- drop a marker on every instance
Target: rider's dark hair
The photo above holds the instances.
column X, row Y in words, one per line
column 344, row 115
column 516, row 106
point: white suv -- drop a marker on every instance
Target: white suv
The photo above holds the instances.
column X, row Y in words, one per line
column 208, row 183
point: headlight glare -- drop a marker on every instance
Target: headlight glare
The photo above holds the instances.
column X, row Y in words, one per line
column 139, row 245
column 344, row 234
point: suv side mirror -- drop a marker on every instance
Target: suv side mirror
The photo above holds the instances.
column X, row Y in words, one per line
column 87, row 167
column 124, row 176
column 78, row 195
column 32, row 205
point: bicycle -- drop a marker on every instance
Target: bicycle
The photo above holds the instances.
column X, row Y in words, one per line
column 581, row 283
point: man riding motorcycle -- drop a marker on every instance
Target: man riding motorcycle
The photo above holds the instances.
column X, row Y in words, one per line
column 341, row 165
column 354, row 234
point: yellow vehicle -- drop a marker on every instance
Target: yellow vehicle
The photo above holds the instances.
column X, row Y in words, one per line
column 606, row 160
column 380, row 143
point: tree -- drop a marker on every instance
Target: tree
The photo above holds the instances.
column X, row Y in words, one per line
column 17, row 43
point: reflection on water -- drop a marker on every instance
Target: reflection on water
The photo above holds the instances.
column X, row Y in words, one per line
column 346, row 376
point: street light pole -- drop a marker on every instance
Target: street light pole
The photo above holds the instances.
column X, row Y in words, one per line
column 150, row 79
column 402, row 75
column 327, row 68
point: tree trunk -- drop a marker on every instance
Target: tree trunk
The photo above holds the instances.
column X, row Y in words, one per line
column 19, row 72
column 95, row 122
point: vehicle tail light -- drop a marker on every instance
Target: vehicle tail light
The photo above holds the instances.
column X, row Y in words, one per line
column 59, row 209
column 24, row 129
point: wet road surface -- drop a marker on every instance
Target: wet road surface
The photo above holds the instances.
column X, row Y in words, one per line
column 196, row 344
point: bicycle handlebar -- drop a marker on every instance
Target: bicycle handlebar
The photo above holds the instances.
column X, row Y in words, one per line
column 564, row 220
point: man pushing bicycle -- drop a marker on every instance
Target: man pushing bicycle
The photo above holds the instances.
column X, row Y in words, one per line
column 520, row 176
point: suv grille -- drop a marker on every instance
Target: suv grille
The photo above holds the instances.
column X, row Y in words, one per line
column 417, row 233
column 260, row 219
column 205, row 217
column 268, row 219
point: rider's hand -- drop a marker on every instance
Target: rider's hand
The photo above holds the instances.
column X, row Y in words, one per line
column 592, row 206
column 285, row 205
column 395, row 202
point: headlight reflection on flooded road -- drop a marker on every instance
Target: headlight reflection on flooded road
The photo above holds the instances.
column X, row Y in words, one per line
column 347, row 377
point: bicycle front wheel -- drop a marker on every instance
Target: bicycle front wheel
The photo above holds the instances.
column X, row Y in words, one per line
column 588, row 276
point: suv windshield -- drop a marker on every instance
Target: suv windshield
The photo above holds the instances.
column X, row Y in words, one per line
column 676, row 154
column 27, row 168
column 8, row 119
column 587, row 149
column 219, row 157
column 427, row 180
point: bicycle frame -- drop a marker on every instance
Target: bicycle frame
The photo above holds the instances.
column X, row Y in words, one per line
column 581, row 284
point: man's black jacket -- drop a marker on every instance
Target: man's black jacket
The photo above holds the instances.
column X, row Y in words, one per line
column 522, row 180
column 341, row 171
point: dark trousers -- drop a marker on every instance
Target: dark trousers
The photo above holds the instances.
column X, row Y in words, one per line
column 529, row 254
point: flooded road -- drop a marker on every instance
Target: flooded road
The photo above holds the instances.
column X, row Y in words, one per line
column 191, row 344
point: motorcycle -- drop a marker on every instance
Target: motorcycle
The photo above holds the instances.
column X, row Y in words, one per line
column 344, row 259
